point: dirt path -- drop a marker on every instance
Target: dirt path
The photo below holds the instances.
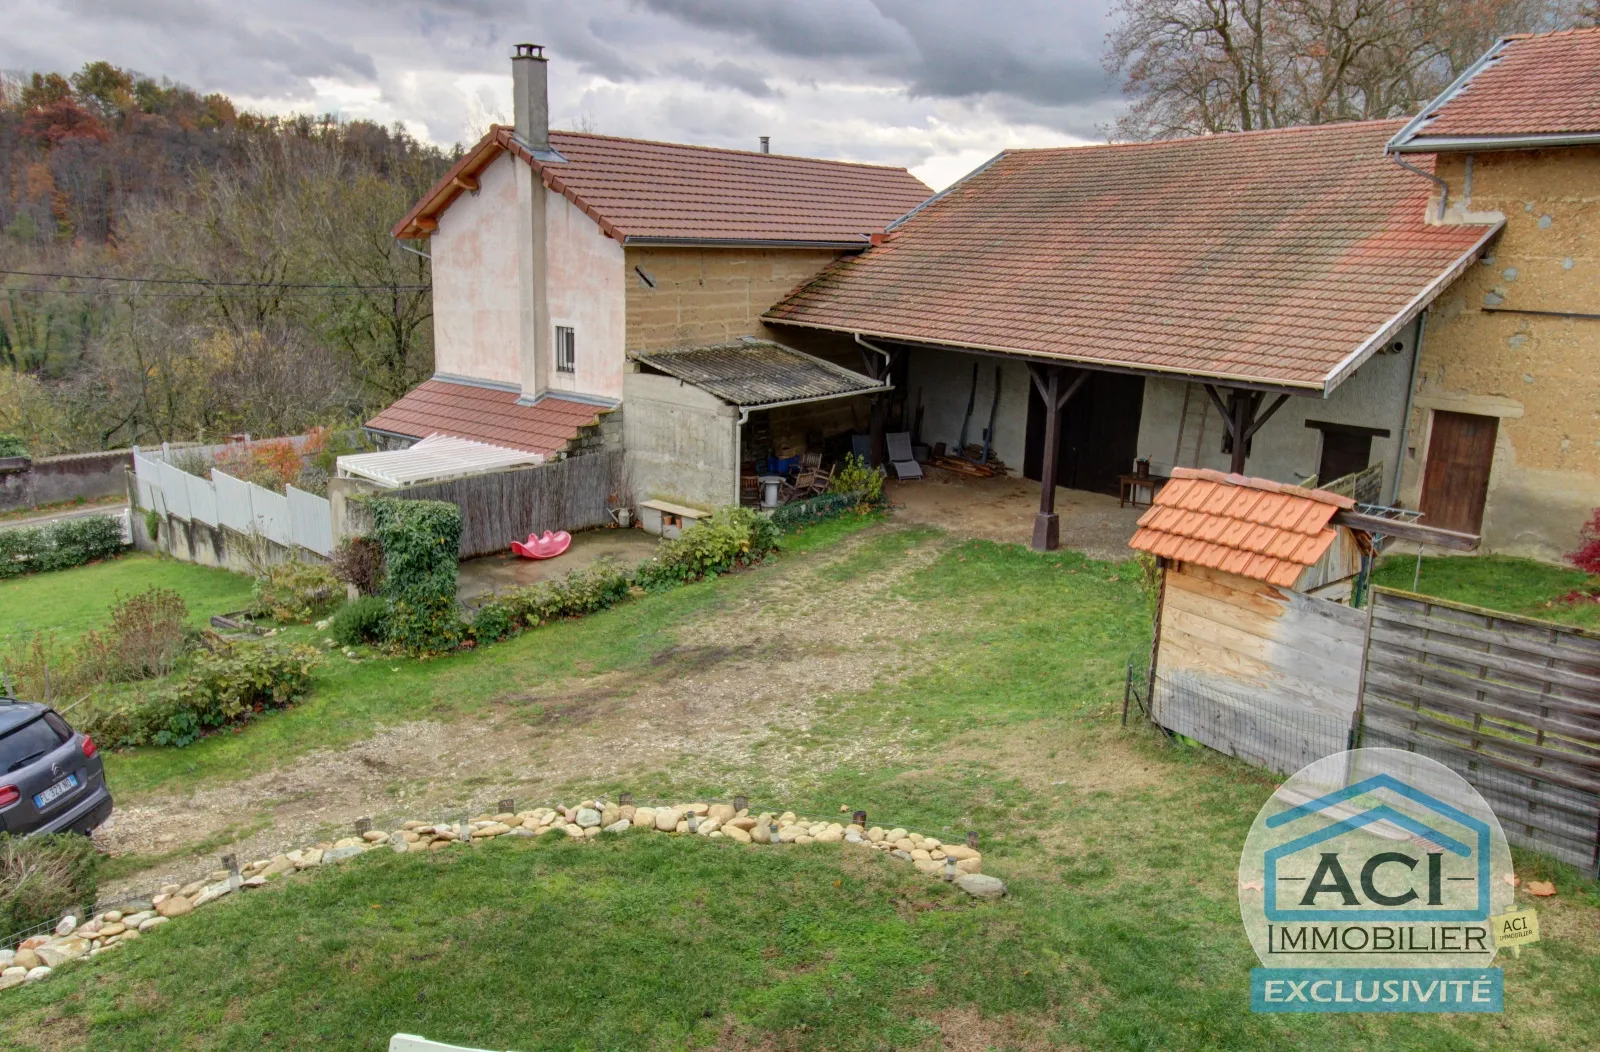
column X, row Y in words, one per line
column 750, row 672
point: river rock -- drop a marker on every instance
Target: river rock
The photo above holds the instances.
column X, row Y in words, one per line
column 970, row 865
column 133, row 920
column 723, row 813
column 587, row 817
column 340, row 854
column 12, row 977
column 667, row 819
column 68, row 924
column 113, row 929
column 151, row 924
column 212, row 893
column 960, row 851
column 55, row 954
column 191, row 889
column 257, row 881
column 733, row 832
column 920, row 855
column 831, row 835
column 621, row 825
column 927, row 865
column 35, row 974
column 494, row 829
column 375, row 836
column 311, row 857
column 175, row 906
column 744, row 822
column 279, row 865
column 980, row 885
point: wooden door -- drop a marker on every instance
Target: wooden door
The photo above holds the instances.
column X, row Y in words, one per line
column 1455, row 483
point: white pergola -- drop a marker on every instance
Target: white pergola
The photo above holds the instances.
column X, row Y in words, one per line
column 434, row 459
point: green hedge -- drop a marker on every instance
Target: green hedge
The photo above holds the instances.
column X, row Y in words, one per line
column 816, row 509
column 70, row 542
column 421, row 540
column 726, row 539
column 42, row 877
column 230, row 685
column 297, row 593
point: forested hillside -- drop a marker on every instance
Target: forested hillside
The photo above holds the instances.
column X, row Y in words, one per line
column 269, row 294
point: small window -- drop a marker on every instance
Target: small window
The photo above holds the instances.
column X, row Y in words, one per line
column 566, row 349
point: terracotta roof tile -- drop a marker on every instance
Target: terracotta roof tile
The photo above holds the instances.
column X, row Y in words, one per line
column 1247, row 526
column 637, row 189
column 485, row 415
column 1548, row 84
column 1280, row 256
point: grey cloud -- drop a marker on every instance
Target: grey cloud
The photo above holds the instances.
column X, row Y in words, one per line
column 819, row 28
column 724, row 74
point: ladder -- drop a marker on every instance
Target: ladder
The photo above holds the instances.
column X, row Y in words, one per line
column 1191, row 427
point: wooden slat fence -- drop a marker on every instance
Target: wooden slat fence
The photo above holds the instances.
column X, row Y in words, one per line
column 1511, row 704
column 503, row 506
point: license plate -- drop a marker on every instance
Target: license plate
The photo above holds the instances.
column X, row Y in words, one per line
column 57, row 791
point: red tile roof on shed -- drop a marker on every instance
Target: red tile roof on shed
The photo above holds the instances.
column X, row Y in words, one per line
column 1543, row 85
column 657, row 191
column 1252, row 527
column 1281, row 257
column 486, row 415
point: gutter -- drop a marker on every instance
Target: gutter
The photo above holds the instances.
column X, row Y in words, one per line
column 1436, row 144
column 1397, row 143
column 635, row 241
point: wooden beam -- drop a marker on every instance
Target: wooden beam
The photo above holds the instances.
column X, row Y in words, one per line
column 1264, row 417
column 466, row 182
column 423, row 223
column 1407, row 531
column 1046, row 525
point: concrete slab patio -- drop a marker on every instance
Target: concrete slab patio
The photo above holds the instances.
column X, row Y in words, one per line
column 1002, row 509
column 494, row 573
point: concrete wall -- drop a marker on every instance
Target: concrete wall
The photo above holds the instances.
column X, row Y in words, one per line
column 1539, row 375
column 475, row 284
column 52, row 480
column 680, row 443
column 1285, row 449
column 944, row 379
column 196, row 542
column 707, row 295
column 585, row 290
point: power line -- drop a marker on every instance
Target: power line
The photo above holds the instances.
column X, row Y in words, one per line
column 209, row 283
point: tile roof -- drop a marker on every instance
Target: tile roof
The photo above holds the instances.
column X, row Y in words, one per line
column 1282, row 257
column 757, row 372
column 1548, row 84
column 650, row 191
column 486, row 415
column 1247, row 526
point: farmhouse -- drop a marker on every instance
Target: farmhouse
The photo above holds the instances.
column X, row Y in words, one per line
column 558, row 254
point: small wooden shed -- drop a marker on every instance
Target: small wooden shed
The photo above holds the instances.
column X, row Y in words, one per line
column 1249, row 657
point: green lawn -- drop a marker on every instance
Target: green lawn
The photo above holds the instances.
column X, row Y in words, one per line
column 1499, row 582
column 1000, row 715
column 70, row 602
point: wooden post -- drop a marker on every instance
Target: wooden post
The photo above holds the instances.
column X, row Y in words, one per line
column 877, row 367
column 1243, row 418
column 1242, row 412
column 1047, row 524
column 1047, row 380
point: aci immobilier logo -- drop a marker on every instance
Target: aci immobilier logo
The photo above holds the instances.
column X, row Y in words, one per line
column 1367, row 884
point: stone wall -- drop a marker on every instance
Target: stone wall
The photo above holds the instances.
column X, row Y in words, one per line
column 52, row 480
column 1538, row 375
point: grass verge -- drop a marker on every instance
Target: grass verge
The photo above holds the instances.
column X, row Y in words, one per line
column 1499, row 582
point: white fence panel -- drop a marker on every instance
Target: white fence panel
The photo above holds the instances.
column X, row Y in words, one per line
column 271, row 515
column 310, row 521
column 174, row 484
column 202, row 500
column 233, row 502
column 148, row 484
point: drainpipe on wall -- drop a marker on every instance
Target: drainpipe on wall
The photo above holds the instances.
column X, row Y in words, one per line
column 1405, row 415
column 530, row 78
column 1444, row 187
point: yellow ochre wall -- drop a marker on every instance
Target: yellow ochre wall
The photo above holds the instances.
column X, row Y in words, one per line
column 1539, row 375
column 708, row 295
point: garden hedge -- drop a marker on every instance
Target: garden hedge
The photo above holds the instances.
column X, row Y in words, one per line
column 70, row 542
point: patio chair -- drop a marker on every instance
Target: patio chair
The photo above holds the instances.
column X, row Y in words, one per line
column 899, row 448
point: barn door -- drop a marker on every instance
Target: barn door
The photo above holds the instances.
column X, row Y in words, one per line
column 1455, row 483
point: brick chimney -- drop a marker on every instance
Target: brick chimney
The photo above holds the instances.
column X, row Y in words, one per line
column 531, row 107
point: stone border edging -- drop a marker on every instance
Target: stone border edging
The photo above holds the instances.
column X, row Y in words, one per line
column 36, row 958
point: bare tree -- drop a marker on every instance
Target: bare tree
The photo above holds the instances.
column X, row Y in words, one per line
column 1202, row 66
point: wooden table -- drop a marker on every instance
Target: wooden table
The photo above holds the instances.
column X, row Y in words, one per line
column 1130, row 485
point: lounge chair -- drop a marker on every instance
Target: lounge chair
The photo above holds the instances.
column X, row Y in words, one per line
column 899, row 447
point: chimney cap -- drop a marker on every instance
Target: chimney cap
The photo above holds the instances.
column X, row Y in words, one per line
column 535, row 51
column 766, row 144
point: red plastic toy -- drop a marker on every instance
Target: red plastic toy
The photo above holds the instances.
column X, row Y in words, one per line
column 545, row 546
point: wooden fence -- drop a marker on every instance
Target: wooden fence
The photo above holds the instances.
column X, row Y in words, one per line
column 503, row 506
column 1511, row 704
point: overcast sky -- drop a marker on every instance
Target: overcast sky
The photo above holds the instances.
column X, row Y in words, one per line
column 936, row 85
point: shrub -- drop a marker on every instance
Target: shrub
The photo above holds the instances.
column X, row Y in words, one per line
column 493, row 621
column 145, row 636
column 152, row 524
column 38, row 668
column 1587, row 557
column 573, row 595
column 814, row 509
column 297, row 592
column 270, row 465
column 191, row 460
column 42, row 877
column 12, row 445
column 363, row 621
column 230, row 685
column 71, row 542
column 420, row 540
column 855, row 475
column 729, row 538
column 359, row 561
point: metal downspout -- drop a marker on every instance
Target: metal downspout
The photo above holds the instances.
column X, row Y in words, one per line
column 1444, row 187
column 413, row 251
column 1405, row 417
